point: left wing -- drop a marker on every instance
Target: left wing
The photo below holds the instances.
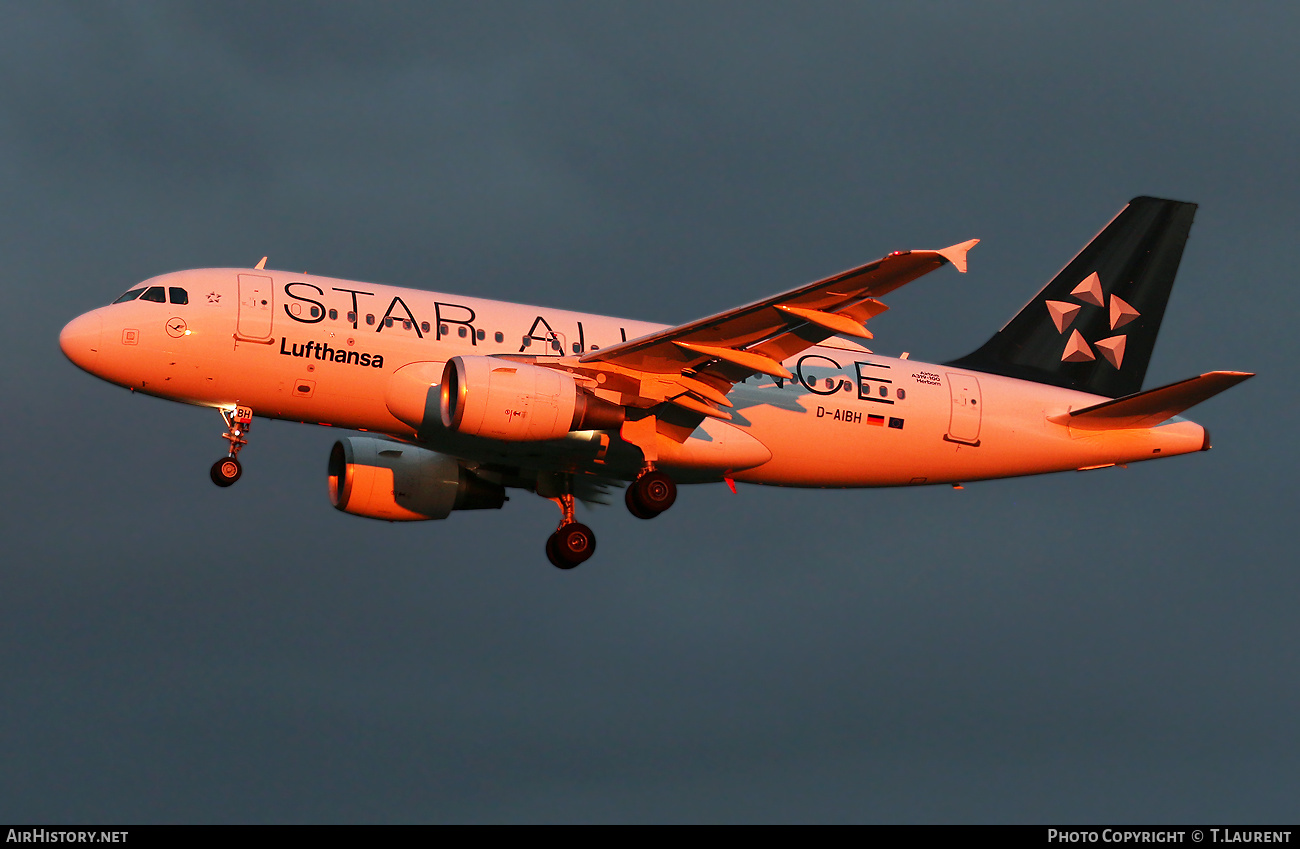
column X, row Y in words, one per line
column 782, row 325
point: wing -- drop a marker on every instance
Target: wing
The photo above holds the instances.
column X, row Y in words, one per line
column 706, row 357
column 670, row 380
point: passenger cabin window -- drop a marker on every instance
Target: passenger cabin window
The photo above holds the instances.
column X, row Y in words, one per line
column 500, row 337
column 155, row 294
column 177, row 295
column 334, row 314
column 315, row 312
column 481, row 334
column 424, row 325
column 370, row 318
column 130, row 296
column 460, row 331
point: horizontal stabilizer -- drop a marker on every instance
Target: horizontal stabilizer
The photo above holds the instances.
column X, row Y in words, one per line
column 1150, row 408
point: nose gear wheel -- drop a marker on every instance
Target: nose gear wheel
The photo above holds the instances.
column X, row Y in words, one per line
column 226, row 471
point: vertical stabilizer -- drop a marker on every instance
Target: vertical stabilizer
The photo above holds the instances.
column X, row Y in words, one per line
column 1094, row 326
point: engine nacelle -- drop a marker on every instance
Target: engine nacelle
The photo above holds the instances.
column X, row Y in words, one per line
column 516, row 402
column 384, row 479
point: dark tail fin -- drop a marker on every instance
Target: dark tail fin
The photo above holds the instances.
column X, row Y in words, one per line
column 1093, row 327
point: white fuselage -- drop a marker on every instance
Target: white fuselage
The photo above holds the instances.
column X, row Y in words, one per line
column 326, row 351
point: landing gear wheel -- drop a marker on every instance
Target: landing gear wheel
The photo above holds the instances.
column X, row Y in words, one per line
column 570, row 545
column 650, row 495
column 633, row 506
column 226, row 471
column 554, row 556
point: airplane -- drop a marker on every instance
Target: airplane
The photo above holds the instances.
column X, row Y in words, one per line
column 461, row 399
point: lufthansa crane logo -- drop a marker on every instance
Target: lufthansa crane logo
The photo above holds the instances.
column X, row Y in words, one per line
column 176, row 327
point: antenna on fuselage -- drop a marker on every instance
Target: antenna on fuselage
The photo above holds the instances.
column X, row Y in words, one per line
column 261, row 265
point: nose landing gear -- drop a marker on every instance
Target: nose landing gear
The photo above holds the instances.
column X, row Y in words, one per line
column 228, row 469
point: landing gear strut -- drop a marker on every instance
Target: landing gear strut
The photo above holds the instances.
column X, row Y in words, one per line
column 650, row 494
column 573, row 542
column 227, row 470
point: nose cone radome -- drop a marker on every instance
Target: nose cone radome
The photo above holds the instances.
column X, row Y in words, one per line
column 80, row 339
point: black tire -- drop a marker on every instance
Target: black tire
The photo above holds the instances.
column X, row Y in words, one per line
column 572, row 544
column 553, row 553
column 654, row 492
column 633, row 506
column 226, row 471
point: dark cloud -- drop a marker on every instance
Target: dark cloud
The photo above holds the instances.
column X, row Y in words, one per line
column 1109, row 646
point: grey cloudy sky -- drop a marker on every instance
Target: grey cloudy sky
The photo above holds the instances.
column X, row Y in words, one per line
column 1120, row 645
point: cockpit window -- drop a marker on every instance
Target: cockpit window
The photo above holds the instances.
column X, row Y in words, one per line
column 178, row 295
column 155, row 294
column 129, row 296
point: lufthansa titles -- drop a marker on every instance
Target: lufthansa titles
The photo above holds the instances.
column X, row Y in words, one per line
column 316, row 351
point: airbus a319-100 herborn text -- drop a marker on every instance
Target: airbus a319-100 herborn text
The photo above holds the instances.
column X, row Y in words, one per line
column 462, row 398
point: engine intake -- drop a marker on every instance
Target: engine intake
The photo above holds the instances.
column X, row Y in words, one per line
column 500, row 399
column 384, row 479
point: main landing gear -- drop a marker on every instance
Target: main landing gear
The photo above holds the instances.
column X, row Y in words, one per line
column 227, row 470
column 650, row 494
column 573, row 542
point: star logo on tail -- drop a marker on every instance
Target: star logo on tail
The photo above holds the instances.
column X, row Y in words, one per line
column 1089, row 293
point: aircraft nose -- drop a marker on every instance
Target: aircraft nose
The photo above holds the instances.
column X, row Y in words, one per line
column 80, row 339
